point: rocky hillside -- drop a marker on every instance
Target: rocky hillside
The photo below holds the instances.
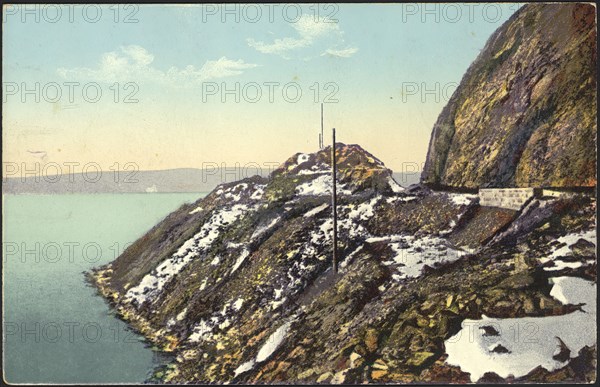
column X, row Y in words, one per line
column 432, row 286
column 524, row 114
column 239, row 284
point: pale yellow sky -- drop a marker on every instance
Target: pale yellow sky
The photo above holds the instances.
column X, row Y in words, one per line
column 188, row 137
column 368, row 53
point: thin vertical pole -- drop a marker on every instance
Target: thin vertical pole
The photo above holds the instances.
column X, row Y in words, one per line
column 322, row 136
column 334, row 204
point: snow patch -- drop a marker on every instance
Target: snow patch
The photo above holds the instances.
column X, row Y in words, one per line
column 269, row 347
column 240, row 260
column 197, row 209
column 221, row 320
column 412, row 253
column 536, row 342
column 350, row 256
column 203, row 284
column 236, row 197
column 319, row 186
column 396, row 188
column 568, row 241
column 233, row 245
column 278, row 293
column 201, row 330
column 316, row 210
column 237, row 305
column 261, row 230
column 276, row 304
column 181, row 315
column 245, row 367
column 390, row 238
column 152, row 284
column 365, row 210
column 273, row 342
column 317, row 169
column 403, row 199
column 302, row 158
column 258, row 192
column 462, row 199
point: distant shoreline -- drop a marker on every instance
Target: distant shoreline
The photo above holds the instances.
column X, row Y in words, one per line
column 166, row 181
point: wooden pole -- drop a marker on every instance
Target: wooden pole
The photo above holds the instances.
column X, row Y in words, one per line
column 334, row 204
column 322, row 137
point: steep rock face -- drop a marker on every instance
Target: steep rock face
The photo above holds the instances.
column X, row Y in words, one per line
column 239, row 284
column 524, row 114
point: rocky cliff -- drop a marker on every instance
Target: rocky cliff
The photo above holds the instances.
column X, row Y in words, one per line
column 239, row 284
column 524, row 114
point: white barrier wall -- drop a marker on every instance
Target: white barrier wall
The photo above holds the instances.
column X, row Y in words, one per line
column 510, row 198
column 556, row 194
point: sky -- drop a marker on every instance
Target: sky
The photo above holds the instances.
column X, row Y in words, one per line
column 189, row 86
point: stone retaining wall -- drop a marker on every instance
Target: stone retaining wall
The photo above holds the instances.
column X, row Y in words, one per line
column 511, row 198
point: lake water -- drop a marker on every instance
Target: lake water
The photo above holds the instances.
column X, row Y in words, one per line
column 56, row 329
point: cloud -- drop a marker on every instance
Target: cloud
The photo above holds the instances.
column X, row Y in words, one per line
column 212, row 69
column 344, row 53
column 309, row 29
column 224, row 68
column 134, row 63
column 138, row 54
column 279, row 46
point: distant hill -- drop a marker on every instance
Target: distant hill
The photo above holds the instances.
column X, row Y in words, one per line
column 170, row 180
column 406, row 179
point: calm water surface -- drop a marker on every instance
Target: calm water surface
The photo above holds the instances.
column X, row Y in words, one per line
column 56, row 329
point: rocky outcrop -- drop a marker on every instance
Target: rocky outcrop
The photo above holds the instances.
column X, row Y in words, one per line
column 524, row 114
column 239, row 284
